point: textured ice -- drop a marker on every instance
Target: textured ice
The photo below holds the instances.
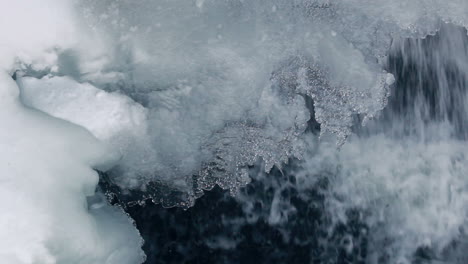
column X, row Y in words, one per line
column 204, row 70
column 201, row 67
column 405, row 172
column 193, row 93
column 218, row 80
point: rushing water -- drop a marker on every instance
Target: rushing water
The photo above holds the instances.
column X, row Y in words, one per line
column 395, row 193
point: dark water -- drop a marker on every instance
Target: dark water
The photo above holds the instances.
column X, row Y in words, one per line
column 220, row 229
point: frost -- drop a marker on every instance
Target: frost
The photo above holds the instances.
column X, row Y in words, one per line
column 214, row 91
column 202, row 70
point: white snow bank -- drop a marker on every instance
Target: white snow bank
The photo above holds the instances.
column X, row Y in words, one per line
column 107, row 115
column 111, row 117
column 50, row 212
column 46, row 175
column 31, row 29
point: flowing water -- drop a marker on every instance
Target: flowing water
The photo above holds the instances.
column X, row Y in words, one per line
column 395, row 192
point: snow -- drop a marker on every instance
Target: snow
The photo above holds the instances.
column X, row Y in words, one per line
column 47, row 174
column 50, row 210
column 111, row 117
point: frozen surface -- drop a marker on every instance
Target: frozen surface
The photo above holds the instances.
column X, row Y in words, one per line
column 184, row 95
column 207, row 69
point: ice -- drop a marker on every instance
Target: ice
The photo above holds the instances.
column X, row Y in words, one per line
column 405, row 172
column 203, row 68
column 186, row 95
column 204, row 72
